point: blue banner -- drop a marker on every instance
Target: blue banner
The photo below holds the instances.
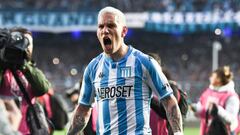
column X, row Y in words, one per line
column 50, row 21
column 168, row 22
column 190, row 22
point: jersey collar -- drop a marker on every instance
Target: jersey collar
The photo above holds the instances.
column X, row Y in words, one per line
column 108, row 59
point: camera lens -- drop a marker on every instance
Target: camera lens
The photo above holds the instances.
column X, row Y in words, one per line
column 19, row 40
column 17, row 36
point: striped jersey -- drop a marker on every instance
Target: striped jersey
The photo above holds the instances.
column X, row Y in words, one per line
column 123, row 91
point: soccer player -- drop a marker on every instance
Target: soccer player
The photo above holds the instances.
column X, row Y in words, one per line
column 121, row 80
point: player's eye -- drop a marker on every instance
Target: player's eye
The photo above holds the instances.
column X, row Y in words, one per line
column 100, row 26
column 111, row 25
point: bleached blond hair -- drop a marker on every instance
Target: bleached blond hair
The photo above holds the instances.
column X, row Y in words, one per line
column 119, row 14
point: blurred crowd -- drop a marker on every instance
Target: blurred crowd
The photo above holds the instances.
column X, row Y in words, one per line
column 187, row 57
column 125, row 5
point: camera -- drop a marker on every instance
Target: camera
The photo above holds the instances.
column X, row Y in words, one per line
column 13, row 46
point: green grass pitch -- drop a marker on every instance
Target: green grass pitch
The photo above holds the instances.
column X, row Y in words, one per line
column 187, row 131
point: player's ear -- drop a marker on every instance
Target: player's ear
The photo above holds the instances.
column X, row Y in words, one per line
column 124, row 31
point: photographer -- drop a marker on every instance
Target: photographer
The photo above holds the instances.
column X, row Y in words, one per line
column 16, row 46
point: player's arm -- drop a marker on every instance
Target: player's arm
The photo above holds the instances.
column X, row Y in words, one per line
column 83, row 110
column 80, row 119
column 158, row 82
column 173, row 114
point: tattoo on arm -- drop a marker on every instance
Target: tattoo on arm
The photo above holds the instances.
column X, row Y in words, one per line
column 173, row 113
column 80, row 120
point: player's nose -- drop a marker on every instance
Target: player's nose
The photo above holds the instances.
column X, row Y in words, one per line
column 105, row 30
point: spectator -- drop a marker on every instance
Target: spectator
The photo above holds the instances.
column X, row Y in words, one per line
column 219, row 101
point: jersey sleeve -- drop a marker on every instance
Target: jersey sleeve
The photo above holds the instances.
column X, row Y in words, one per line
column 156, row 80
column 86, row 91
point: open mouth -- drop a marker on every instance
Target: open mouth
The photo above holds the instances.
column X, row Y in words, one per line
column 107, row 41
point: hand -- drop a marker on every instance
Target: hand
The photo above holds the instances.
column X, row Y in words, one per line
column 213, row 109
column 25, row 65
column 193, row 107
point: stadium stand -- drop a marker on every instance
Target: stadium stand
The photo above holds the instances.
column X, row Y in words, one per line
column 125, row 5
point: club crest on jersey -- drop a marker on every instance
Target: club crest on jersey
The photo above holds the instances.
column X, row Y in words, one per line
column 125, row 72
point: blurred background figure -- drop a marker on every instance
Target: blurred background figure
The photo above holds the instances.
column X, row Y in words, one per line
column 55, row 109
column 158, row 120
column 73, row 94
column 10, row 117
column 218, row 106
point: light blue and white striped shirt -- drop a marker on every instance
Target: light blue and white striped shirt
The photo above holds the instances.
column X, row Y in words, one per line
column 123, row 92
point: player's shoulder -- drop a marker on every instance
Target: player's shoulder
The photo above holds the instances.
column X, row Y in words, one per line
column 142, row 57
column 95, row 61
column 139, row 54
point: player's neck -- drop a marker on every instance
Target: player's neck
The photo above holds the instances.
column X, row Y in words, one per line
column 120, row 53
